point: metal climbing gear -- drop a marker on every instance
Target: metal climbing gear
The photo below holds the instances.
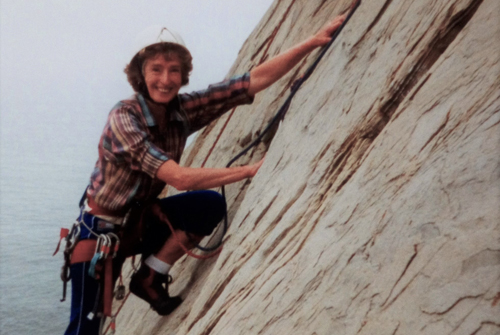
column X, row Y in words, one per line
column 100, row 253
column 72, row 238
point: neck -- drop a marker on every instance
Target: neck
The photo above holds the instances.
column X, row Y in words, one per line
column 159, row 112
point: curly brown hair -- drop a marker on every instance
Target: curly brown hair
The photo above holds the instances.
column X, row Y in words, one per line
column 135, row 68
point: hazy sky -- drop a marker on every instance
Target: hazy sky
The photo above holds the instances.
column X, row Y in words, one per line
column 60, row 58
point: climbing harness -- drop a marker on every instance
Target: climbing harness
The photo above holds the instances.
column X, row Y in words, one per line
column 279, row 116
column 100, row 252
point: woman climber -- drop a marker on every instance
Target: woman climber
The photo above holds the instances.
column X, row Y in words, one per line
column 139, row 153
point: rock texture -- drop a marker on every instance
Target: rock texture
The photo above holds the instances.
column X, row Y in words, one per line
column 377, row 208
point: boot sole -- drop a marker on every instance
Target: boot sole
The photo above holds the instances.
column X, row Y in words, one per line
column 159, row 306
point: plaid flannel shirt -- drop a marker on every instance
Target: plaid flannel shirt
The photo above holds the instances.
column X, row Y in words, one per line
column 134, row 144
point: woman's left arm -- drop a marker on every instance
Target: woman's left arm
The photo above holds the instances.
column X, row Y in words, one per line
column 270, row 71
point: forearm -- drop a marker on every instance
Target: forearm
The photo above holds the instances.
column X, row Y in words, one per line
column 185, row 178
column 270, row 71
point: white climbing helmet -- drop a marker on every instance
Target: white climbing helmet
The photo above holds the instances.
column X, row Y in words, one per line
column 153, row 35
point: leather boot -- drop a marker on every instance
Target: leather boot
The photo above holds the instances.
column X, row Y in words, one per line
column 147, row 284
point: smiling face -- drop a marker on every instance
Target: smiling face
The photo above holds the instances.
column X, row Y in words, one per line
column 135, row 70
column 163, row 77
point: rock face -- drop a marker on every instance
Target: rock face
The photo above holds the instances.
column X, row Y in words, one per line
column 377, row 208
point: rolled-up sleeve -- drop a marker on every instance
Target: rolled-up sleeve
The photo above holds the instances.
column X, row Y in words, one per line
column 204, row 106
column 128, row 142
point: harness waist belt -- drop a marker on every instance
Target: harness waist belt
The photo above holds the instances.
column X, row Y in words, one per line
column 84, row 251
column 113, row 215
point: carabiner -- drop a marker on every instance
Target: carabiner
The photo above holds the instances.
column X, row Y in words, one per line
column 105, row 248
column 117, row 243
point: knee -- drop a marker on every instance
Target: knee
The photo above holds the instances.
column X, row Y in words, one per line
column 194, row 240
column 190, row 240
column 217, row 205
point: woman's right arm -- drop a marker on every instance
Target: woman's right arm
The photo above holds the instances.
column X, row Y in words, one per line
column 186, row 178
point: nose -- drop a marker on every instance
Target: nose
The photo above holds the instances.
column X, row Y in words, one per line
column 165, row 78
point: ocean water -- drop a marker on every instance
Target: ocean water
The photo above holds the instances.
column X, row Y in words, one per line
column 44, row 168
column 46, row 161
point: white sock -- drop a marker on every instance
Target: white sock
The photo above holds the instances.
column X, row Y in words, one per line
column 157, row 265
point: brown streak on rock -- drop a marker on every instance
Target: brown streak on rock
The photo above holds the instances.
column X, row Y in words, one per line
column 496, row 299
column 319, row 7
column 294, row 76
column 308, row 234
column 374, row 22
column 491, row 323
column 420, row 86
column 278, row 219
column 263, row 213
column 267, row 39
column 493, row 125
column 271, row 291
column 396, row 330
column 453, row 305
column 210, row 302
column 265, row 43
column 322, row 154
column 437, row 131
column 270, row 39
column 337, row 165
column 212, row 324
column 412, row 258
column 282, row 236
column 198, row 144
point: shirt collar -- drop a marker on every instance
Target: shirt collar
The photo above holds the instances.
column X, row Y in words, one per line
column 172, row 108
column 150, row 121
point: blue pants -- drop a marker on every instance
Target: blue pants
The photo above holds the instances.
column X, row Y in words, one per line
column 196, row 212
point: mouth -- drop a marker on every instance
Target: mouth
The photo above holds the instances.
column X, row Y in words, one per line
column 164, row 90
